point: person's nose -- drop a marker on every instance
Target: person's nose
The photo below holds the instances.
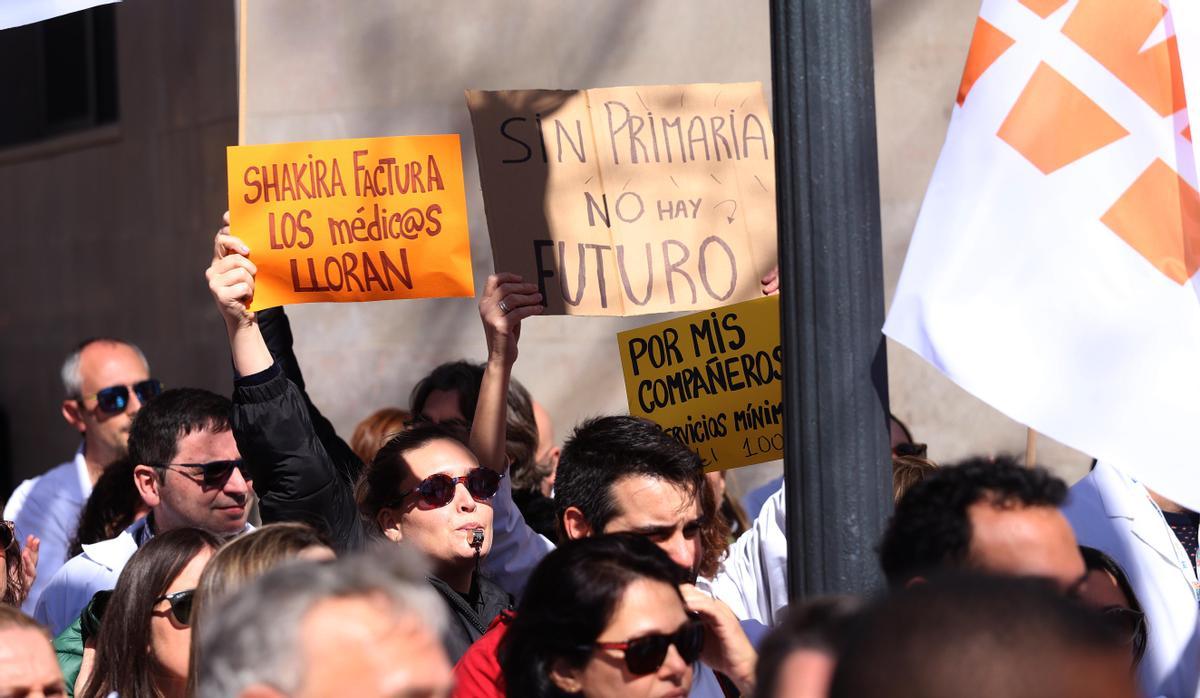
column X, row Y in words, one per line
column 463, row 499
column 237, row 484
column 673, row 667
column 681, row 550
column 133, row 404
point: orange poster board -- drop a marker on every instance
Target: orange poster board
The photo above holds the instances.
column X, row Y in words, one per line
column 364, row 219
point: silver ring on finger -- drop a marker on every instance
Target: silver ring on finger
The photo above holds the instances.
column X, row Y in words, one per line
column 504, row 308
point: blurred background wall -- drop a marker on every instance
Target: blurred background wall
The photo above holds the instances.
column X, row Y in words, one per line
column 111, row 230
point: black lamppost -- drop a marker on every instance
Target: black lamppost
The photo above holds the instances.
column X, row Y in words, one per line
column 837, row 456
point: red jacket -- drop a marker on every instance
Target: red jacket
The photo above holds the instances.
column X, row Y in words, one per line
column 478, row 673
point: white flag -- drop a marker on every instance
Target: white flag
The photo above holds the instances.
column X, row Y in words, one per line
column 1052, row 272
column 14, row 13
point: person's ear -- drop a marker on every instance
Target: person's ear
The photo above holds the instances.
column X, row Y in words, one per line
column 566, row 677
column 389, row 524
column 575, row 524
column 148, row 485
column 72, row 411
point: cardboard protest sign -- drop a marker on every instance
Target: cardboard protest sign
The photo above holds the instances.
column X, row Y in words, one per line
column 352, row 220
column 713, row 379
column 630, row 200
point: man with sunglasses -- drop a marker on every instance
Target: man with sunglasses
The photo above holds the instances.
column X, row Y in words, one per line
column 189, row 473
column 106, row 381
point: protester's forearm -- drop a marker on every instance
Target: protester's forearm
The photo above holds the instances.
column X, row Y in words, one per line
column 250, row 353
column 489, row 426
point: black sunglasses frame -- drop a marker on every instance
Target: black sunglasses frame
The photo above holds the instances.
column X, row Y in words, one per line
column 444, row 494
column 181, row 605
column 115, row 398
column 212, row 474
column 646, row 654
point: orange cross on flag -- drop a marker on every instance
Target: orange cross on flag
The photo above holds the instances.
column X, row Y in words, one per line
column 1053, row 269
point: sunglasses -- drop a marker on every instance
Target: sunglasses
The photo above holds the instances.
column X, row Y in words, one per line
column 437, row 490
column 8, row 535
column 115, row 398
column 181, row 605
column 212, row 474
column 646, row 654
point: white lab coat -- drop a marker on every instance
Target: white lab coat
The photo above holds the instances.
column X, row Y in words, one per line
column 752, row 580
column 1113, row 512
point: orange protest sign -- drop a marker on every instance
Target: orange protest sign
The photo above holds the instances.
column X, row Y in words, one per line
column 352, row 220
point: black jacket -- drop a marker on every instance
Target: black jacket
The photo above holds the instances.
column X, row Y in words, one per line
column 470, row 616
column 304, row 471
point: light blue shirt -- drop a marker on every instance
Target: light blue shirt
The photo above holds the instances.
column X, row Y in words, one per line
column 48, row 506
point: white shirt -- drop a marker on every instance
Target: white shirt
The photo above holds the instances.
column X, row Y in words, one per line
column 1112, row 512
column 48, row 506
column 752, row 580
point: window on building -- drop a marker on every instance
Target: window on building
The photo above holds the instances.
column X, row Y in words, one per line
column 59, row 76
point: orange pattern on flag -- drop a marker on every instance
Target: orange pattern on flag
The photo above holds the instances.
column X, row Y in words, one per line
column 987, row 44
column 1114, row 33
column 1053, row 123
column 1043, row 8
column 1159, row 216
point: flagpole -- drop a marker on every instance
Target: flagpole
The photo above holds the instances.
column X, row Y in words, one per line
column 837, row 466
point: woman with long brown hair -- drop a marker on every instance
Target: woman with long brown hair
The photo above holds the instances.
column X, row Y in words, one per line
column 145, row 637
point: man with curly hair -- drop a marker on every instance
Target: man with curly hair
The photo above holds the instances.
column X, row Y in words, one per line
column 988, row 516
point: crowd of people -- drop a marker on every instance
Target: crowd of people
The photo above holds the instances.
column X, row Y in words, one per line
column 197, row 545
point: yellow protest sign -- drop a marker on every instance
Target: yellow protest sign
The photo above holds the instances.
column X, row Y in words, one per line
column 630, row 200
column 352, row 220
column 712, row 379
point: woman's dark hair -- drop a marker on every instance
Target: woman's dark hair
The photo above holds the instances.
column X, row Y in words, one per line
column 15, row 591
column 569, row 600
column 113, row 505
column 123, row 663
column 521, row 440
column 380, row 484
column 822, row 625
column 461, row 377
column 464, row 379
column 714, row 531
column 1098, row 560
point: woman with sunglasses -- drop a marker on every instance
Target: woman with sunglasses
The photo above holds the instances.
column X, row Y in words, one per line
column 427, row 489
column 20, row 566
column 602, row 617
column 145, row 636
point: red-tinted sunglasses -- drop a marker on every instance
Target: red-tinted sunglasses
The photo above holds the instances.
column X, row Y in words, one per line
column 644, row 655
column 437, row 490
